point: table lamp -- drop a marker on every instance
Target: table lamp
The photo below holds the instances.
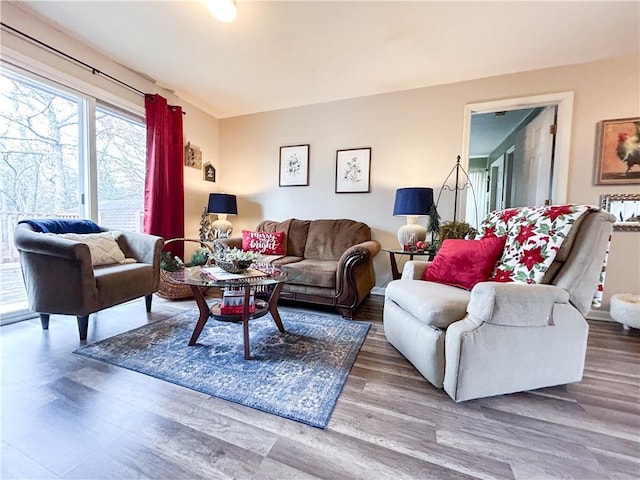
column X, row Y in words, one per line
column 222, row 204
column 411, row 203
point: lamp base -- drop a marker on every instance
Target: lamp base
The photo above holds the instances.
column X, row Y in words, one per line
column 221, row 228
column 411, row 233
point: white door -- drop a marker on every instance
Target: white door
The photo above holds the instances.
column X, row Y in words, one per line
column 496, row 184
column 533, row 170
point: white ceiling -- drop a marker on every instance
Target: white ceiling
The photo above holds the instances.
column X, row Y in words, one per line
column 488, row 130
column 284, row 54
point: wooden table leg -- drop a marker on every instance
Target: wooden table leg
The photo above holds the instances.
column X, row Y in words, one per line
column 205, row 313
column 273, row 306
column 395, row 274
column 245, row 322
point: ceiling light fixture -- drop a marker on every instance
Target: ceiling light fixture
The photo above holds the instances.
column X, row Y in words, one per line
column 222, row 10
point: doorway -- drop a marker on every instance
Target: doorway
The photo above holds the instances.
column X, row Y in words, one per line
column 554, row 169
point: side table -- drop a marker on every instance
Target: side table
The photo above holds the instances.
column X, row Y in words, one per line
column 430, row 253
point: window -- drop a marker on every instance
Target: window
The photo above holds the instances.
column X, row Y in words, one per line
column 48, row 168
column 120, row 154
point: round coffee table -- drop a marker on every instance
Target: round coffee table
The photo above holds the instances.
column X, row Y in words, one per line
column 272, row 278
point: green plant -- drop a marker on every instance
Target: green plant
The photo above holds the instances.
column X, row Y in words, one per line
column 172, row 264
column 169, row 263
column 455, row 230
column 230, row 254
column 199, row 257
column 434, row 221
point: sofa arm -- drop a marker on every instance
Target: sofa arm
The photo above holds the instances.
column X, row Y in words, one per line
column 355, row 276
column 414, row 269
column 515, row 304
column 368, row 249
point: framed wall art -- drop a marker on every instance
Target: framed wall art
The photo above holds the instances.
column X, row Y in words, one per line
column 294, row 166
column 192, row 156
column 353, row 170
column 618, row 152
column 209, row 172
column 625, row 207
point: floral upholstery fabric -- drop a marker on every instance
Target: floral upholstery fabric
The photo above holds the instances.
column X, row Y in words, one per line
column 534, row 236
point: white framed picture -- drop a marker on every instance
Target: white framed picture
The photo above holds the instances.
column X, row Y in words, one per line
column 353, row 170
column 294, row 166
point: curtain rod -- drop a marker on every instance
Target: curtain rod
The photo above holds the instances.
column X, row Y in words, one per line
column 93, row 69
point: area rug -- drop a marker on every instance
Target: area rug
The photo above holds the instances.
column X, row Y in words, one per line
column 298, row 374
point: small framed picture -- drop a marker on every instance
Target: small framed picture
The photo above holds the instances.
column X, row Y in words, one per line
column 192, row 156
column 618, row 152
column 294, row 166
column 209, row 172
column 353, row 170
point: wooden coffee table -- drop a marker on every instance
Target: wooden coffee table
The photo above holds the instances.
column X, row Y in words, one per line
column 273, row 282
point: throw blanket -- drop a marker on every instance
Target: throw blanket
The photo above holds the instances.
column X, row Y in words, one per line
column 56, row 225
column 534, row 236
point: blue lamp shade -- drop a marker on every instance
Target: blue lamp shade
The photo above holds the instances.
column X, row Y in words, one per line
column 222, row 203
column 413, row 201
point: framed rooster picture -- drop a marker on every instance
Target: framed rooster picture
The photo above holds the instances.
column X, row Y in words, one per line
column 618, row 152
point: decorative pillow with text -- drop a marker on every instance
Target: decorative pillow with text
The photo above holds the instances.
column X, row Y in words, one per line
column 264, row 242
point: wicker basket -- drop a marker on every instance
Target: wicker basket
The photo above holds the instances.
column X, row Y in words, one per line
column 178, row 291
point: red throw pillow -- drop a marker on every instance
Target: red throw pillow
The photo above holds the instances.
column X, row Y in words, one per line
column 463, row 263
column 264, row 242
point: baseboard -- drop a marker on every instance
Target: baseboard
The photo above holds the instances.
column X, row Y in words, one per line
column 378, row 291
column 601, row 315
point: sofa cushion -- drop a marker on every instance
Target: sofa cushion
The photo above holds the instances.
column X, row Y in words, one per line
column 267, row 243
column 463, row 263
column 297, row 237
column 320, row 273
column 328, row 239
column 430, row 303
column 280, row 260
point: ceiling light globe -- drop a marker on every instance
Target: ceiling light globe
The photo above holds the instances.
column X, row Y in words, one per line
column 223, row 10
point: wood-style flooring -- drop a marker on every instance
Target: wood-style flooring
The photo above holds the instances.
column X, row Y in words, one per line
column 65, row 416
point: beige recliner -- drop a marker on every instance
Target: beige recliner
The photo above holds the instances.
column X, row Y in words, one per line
column 60, row 279
column 501, row 337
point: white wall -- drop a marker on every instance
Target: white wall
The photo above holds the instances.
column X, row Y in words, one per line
column 415, row 136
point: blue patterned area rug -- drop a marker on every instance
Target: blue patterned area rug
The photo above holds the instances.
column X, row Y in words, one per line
column 298, row 374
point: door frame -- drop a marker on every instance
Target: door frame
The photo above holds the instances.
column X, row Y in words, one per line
column 564, row 102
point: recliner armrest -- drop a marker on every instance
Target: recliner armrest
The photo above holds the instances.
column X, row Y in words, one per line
column 414, row 269
column 515, row 304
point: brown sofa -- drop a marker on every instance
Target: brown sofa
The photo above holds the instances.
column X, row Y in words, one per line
column 335, row 258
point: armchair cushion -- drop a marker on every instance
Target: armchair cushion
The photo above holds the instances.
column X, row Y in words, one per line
column 463, row 263
column 512, row 304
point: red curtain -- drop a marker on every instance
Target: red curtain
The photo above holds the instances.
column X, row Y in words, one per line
column 164, row 184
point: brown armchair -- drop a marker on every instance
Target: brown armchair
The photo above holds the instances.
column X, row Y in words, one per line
column 60, row 279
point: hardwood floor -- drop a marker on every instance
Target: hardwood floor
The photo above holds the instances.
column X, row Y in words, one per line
column 65, row 416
